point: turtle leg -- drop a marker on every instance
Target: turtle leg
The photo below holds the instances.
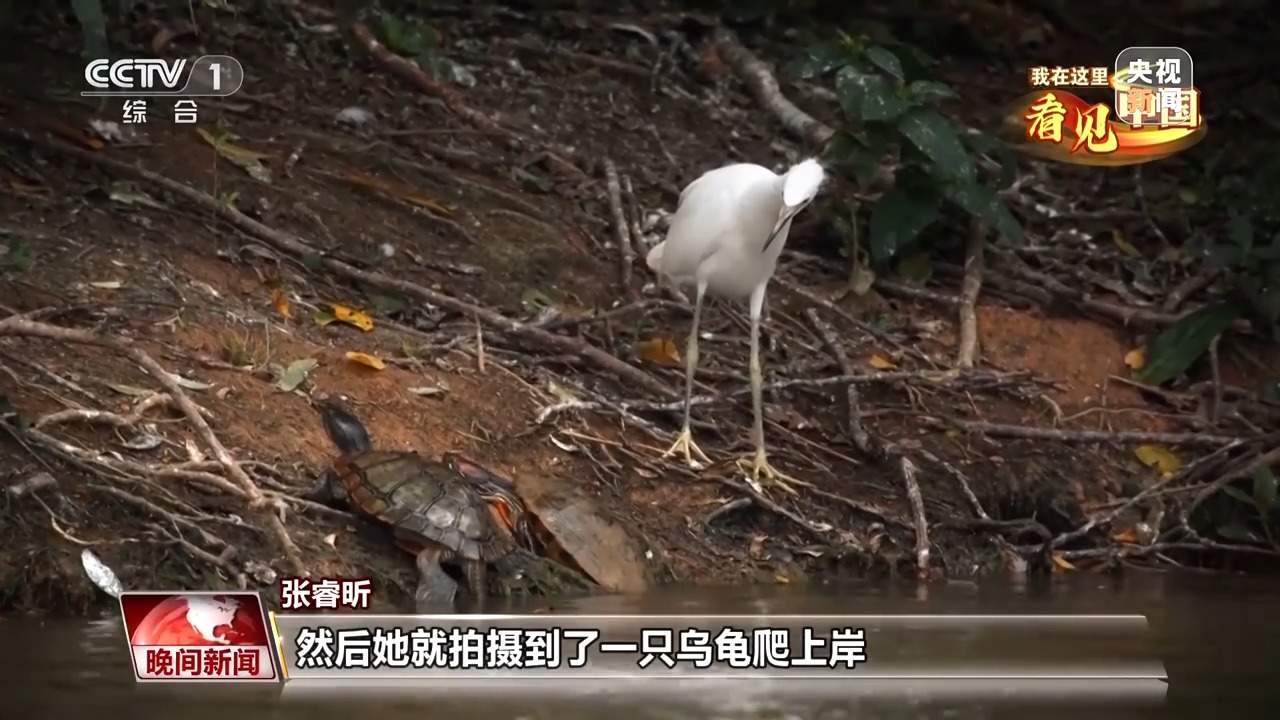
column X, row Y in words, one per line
column 436, row 590
column 476, row 573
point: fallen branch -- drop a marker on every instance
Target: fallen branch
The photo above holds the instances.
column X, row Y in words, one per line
column 255, row 499
column 620, row 229
column 295, row 246
column 759, row 79
column 1082, row 436
column 970, row 288
column 104, row 417
column 861, row 439
column 917, row 511
column 409, row 71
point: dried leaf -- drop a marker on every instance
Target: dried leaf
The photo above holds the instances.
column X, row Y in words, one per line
column 1062, row 562
column 781, row 579
column 1125, row 246
column 660, row 351
column 189, row 384
column 880, row 362
column 562, row 393
column 1136, row 358
column 243, row 158
column 281, row 303
column 1128, row 535
column 131, row 390
column 295, row 374
column 350, row 316
column 365, row 359
column 1159, row 457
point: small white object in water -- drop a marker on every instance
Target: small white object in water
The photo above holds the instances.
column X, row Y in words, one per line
column 100, row 574
column 388, row 250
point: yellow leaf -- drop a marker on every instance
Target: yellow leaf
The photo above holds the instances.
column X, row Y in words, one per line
column 660, row 351
column 1062, row 562
column 880, row 362
column 1128, row 535
column 356, row 318
column 781, row 579
column 1136, row 358
column 365, row 359
column 1125, row 246
column 1159, row 457
column 281, row 303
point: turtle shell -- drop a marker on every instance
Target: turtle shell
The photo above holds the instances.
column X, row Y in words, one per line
column 424, row 502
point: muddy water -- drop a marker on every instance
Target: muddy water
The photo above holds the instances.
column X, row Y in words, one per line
column 1218, row 638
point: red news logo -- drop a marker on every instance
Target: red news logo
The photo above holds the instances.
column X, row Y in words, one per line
column 325, row 594
column 197, row 636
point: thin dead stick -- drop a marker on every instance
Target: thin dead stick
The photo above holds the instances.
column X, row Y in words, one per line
column 104, row 417
column 917, row 511
column 256, row 500
column 1083, row 436
column 861, row 439
column 625, row 257
column 970, row 288
column 960, row 478
column 294, row 245
column 633, row 206
column 411, row 72
column 871, row 330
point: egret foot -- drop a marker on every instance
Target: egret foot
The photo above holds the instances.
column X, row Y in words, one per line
column 684, row 443
column 757, row 465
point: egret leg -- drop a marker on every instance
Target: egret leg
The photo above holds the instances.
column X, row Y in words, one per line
column 684, row 441
column 758, row 464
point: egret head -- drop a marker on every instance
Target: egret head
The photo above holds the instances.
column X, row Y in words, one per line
column 799, row 187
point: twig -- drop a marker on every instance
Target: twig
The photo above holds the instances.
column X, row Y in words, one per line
column 256, row 501
column 961, row 478
column 104, row 417
column 410, row 72
column 917, row 510
column 818, row 529
column 857, row 432
column 1190, row 286
column 868, row 328
column 1243, row 470
column 970, row 288
column 39, row 481
column 625, row 257
column 292, row 244
column 1082, row 436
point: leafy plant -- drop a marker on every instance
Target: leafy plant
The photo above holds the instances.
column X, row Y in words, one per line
column 891, row 108
column 423, row 43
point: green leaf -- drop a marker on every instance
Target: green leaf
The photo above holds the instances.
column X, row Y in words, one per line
column 880, row 100
column 408, row 39
column 936, row 137
column 996, row 149
column 817, row 61
column 851, row 87
column 1174, row 350
column 982, row 202
column 295, row 374
column 1238, row 533
column 884, row 59
column 923, row 92
column 1264, row 490
column 847, row 153
column 16, row 256
column 897, row 218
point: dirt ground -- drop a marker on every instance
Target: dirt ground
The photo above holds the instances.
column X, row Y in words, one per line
column 197, row 294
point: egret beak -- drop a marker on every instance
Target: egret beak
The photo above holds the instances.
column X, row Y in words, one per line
column 783, row 218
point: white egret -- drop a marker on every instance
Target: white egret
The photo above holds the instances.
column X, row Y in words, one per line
column 726, row 235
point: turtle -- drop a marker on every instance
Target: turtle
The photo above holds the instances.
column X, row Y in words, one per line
column 435, row 512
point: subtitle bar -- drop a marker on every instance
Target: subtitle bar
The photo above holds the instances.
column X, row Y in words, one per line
column 350, row 647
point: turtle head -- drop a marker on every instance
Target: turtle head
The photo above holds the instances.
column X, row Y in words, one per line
column 344, row 429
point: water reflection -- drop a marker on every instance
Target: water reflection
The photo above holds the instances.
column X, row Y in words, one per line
column 1216, row 636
